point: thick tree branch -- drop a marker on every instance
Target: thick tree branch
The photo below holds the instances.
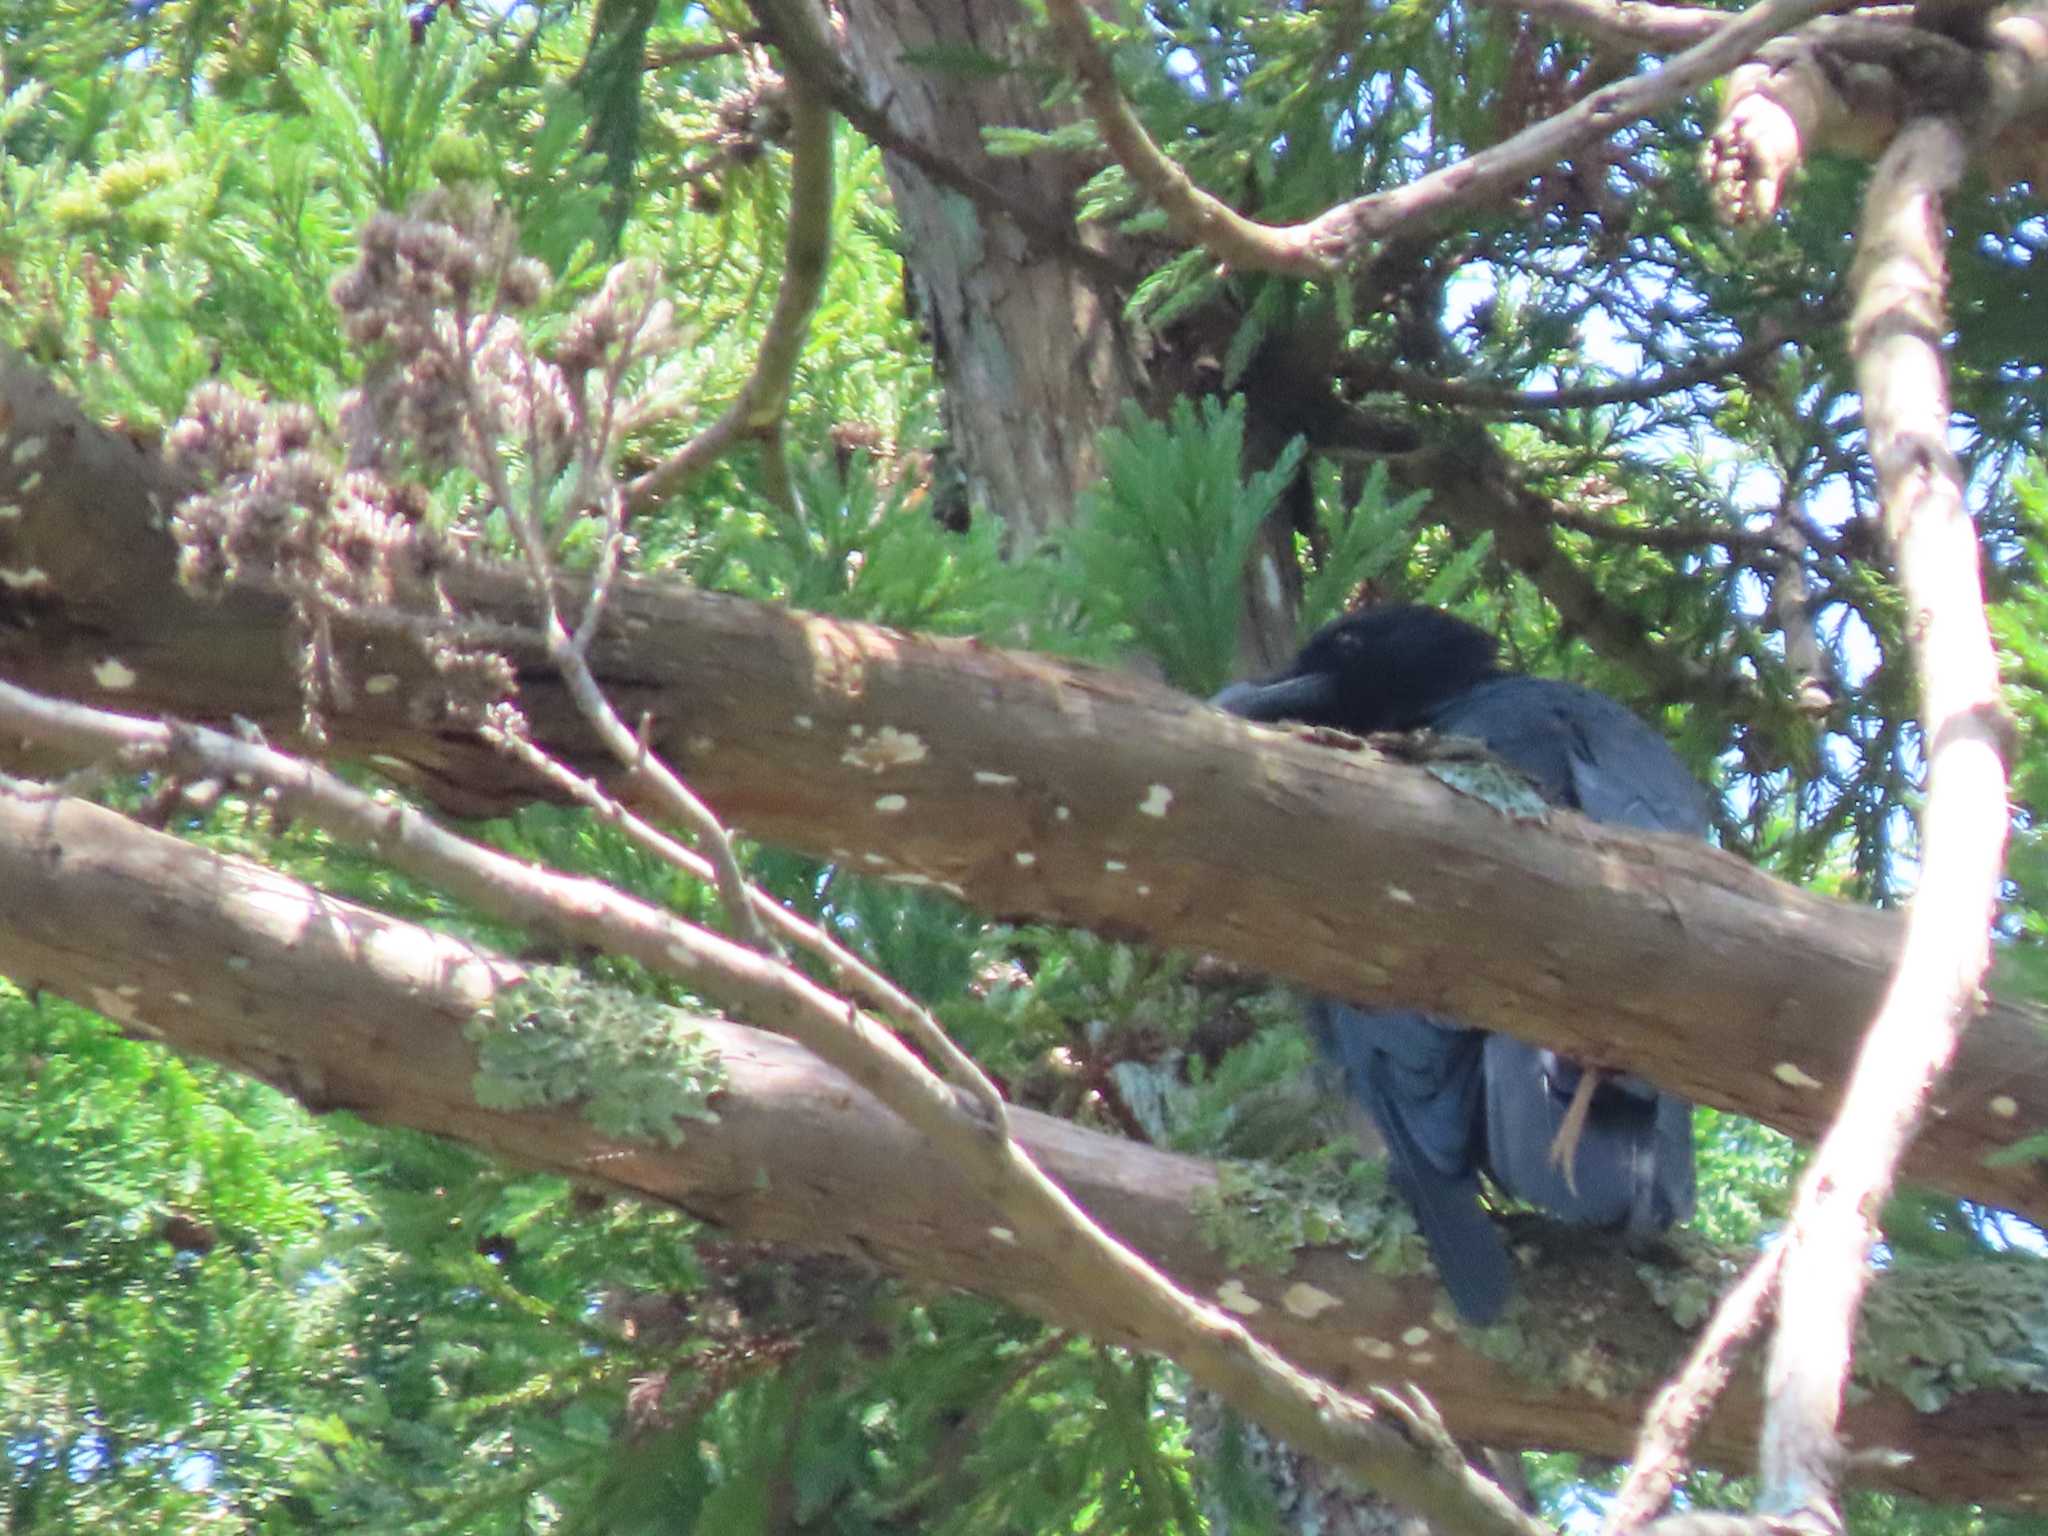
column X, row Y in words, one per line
column 1326, row 245
column 1845, row 85
column 1712, row 978
column 350, row 1009
column 1385, row 1442
column 1897, row 326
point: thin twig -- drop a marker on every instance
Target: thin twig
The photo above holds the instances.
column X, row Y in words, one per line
column 1897, row 324
column 651, row 774
column 1686, row 1400
column 1519, row 402
column 1324, row 246
column 1037, row 1214
column 595, row 481
column 806, row 245
column 849, row 972
column 1639, row 25
column 761, row 399
column 563, row 649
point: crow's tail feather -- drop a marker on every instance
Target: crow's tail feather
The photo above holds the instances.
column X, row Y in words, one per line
column 1467, row 1247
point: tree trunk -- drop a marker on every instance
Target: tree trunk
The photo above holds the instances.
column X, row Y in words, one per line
column 1032, row 350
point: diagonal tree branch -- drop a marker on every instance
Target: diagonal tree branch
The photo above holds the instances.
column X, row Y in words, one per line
column 1331, row 242
column 1674, row 1419
column 1713, row 979
column 1386, row 1441
column 756, row 410
column 1897, row 325
column 852, row 975
column 348, row 1008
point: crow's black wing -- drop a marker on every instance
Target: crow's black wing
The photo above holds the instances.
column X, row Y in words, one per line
column 1632, row 1165
column 1450, row 1101
column 1582, row 750
column 1421, row 1082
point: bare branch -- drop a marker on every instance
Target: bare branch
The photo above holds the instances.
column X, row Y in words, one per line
column 1042, row 1218
column 851, row 973
column 1682, row 1407
column 1197, row 217
column 806, row 244
column 1714, row 979
column 1529, row 402
column 2010, row 118
column 1897, row 325
column 1326, row 245
column 1777, row 109
column 655, row 780
column 352, row 1009
column 1845, row 84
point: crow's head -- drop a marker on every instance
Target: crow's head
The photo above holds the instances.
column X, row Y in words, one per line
column 1380, row 669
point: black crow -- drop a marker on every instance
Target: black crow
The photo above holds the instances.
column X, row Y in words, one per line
column 1451, row 1101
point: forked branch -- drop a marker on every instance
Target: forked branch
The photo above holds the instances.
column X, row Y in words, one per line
column 1334, row 240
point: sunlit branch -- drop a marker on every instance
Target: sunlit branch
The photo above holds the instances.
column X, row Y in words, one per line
column 1683, row 1405
column 348, row 1008
column 1391, row 1441
column 1326, row 245
column 1897, row 325
column 849, row 972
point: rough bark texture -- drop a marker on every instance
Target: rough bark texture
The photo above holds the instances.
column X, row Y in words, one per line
column 1034, row 356
column 1033, row 789
column 350, row 1009
column 1030, row 339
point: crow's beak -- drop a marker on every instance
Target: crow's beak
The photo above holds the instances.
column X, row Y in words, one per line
column 1306, row 696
